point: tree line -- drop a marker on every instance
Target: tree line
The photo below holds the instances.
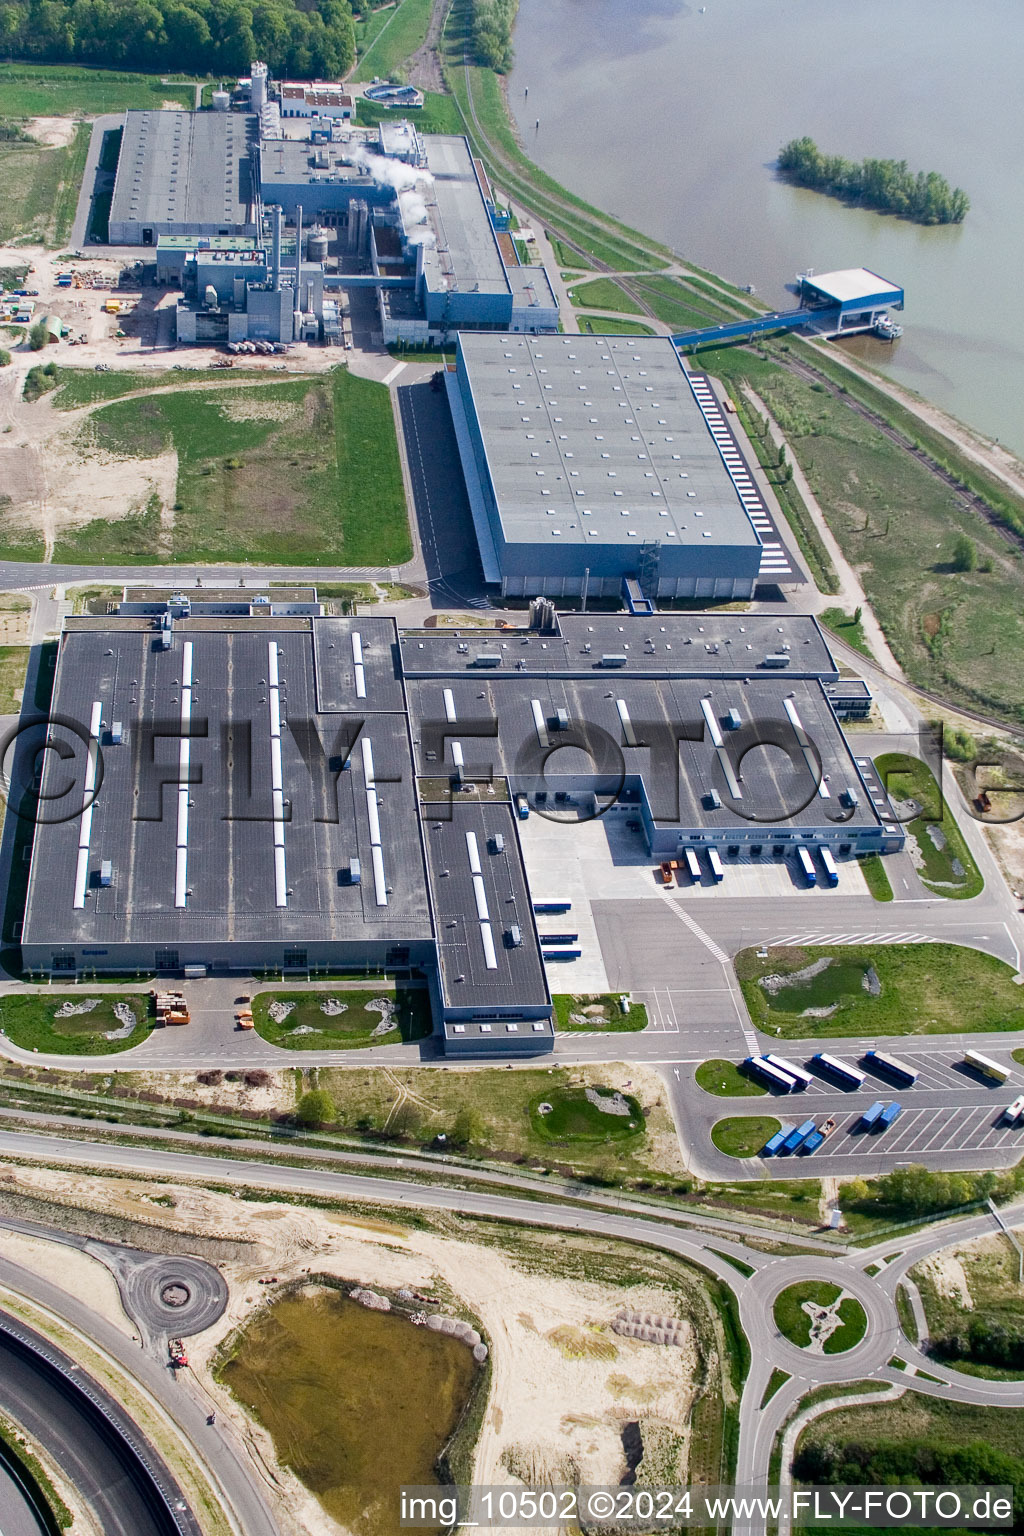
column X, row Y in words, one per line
column 919, row 1191
column 491, row 23
column 888, row 186
column 986, row 1342
column 911, row 1462
column 206, row 37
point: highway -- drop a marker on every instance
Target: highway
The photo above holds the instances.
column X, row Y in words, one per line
column 713, row 1250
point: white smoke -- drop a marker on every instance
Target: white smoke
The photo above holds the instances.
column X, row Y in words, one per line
column 390, row 173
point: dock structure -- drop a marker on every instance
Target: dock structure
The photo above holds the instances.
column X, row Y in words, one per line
column 832, row 304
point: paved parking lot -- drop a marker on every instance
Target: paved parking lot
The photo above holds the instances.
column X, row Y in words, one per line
column 916, row 1133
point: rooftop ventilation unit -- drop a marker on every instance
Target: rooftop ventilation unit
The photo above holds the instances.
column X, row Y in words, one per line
column 613, row 659
column 776, row 659
column 488, row 659
column 106, row 872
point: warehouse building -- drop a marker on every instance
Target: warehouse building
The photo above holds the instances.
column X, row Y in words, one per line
column 592, row 459
column 242, row 784
column 186, row 173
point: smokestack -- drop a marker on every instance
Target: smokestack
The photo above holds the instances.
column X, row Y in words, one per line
column 298, row 254
column 276, row 218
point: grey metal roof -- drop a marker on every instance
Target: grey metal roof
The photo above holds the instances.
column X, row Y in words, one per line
column 184, row 168
column 665, row 644
column 758, row 770
column 466, row 254
column 597, row 439
column 231, row 864
column 516, row 980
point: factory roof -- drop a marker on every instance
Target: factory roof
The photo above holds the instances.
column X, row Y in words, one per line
column 285, row 162
column 663, row 645
column 480, row 896
column 761, row 751
column 530, row 287
column 853, row 283
column 347, row 790
column 205, row 243
column 466, row 256
column 184, row 168
column 599, row 439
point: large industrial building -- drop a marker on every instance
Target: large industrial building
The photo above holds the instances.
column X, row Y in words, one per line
column 592, row 459
column 266, row 216
column 260, row 786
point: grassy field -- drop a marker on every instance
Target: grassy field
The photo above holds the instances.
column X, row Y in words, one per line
column 13, row 665
column 16, row 541
column 597, row 1011
column 609, row 325
column 567, row 1116
column 853, row 1327
column 679, row 303
column 875, row 877
column 926, row 989
column 40, row 189
column 420, row 1102
column 308, row 1028
column 300, row 471
column 439, row 114
column 401, row 33
column 792, row 1321
column 603, row 293
column 30, row 1023
column 566, row 256
column 744, row 1135
column 68, row 90
column 726, row 1080
column 960, row 633
column 847, row 627
column 907, row 777
column 84, row 386
column 990, row 1270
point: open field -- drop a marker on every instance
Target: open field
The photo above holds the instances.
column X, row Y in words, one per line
column 401, row 33
column 13, row 665
column 439, row 114
column 293, row 471
column 924, row 989
column 959, row 632
column 419, row 1103
column 943, row 859
column 31, row 1023
column 349, row 1019
column 586, row 1011
column 679, row 303
column 84, row 386
column 40, row 188
column 603, row 293
column 59, row 90
column 970, row 1285
column 744, row 1135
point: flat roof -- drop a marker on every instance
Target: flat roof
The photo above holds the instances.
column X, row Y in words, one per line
column 461, row 844
column 466, row 256
column 663, row 644
column 116, row 668
column 184, row 168
column 600, row 439
column 853, row 283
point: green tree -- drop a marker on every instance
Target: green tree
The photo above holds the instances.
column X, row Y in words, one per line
column 38, row 336
column 5, row 358
column 965, row 554
column 316, row 1108
column 467, row 1127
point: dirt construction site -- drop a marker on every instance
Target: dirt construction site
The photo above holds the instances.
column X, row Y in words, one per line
column 568, row 1377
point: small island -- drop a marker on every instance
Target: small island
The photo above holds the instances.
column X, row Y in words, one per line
column 887, row 186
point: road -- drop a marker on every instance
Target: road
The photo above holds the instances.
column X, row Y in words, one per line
column 714, row 1250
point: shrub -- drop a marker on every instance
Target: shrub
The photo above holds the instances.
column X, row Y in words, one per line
column 38, row 336
column 316, row 1108
column 965, row 554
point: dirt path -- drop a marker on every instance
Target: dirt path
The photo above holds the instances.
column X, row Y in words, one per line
column 423, row 69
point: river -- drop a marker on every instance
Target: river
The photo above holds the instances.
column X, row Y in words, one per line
column 670, row 116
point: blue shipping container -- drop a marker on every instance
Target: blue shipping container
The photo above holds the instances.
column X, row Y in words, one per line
column 774, row 1143
column 869, row 1116
column 888, row 1115
column 794, row 1138
column 812, row 1143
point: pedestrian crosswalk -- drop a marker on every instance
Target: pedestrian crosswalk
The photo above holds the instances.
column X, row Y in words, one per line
column 793, row 940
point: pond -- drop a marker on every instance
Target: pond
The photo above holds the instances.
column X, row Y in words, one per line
column 357, row 1402
column 832, row 986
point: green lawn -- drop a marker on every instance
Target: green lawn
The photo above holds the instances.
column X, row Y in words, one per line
column 776, row 1380
column 907, row 777
column 308, row 1028
column 299, row 471
column 566, row 1115
column 875, row 877
column 395, row 41
column 566, row 256
column 854, row 1325
column 30, row 1023
column 597, row 1011
column 926, row 989
column 726, row 1080
column 846, row 626
column 68, row 90
column 609, row 325
column 791, row 1319
column 438, row 114
column 84, row 386
column 40, row 188
column 13, row 665
column 744, row 1135
column 603, row 293
column 680, row 303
